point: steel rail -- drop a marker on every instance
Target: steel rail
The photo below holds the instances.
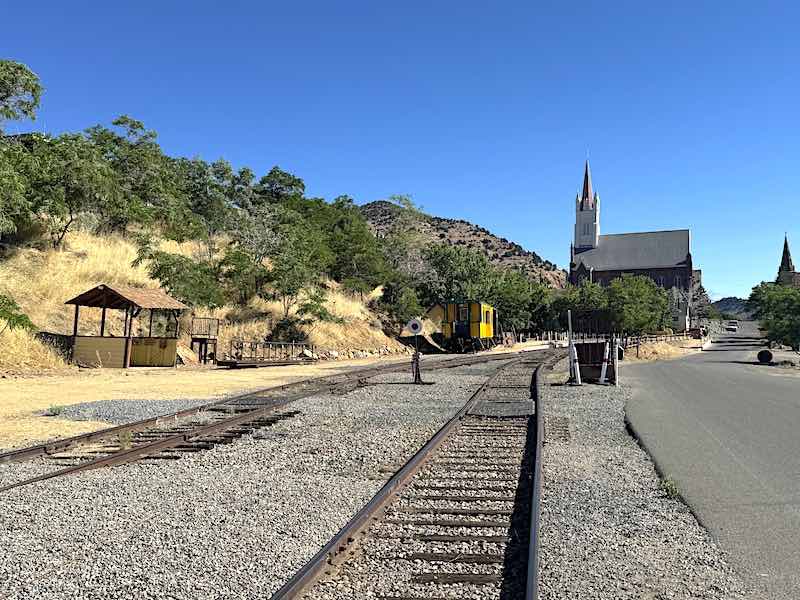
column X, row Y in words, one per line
column 132, row 454
column 313, row 385
column 532, row 580
column 311, row 572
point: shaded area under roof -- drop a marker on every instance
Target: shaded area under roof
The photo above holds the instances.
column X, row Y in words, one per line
column 122, row 297
column 650, row 250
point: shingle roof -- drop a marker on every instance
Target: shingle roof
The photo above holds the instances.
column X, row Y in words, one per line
column 650, row 250
column 120, row 296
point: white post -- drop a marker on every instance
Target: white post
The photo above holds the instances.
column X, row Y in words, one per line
column 569, row 345
column 604, row 368
column 577, row 367
column 616, row 362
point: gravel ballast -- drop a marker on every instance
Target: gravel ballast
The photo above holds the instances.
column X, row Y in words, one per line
column 232, row 522
column 120, row 412
column 609, row 527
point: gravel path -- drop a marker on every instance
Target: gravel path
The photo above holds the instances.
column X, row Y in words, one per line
column 233, row 522
column 608, row 528
column 126, row 411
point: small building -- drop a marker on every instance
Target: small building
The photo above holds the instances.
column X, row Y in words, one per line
column 147, row 329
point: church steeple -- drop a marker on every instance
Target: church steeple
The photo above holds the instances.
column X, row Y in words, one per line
column 587, row 214
column 587, row 197
column 787, row 266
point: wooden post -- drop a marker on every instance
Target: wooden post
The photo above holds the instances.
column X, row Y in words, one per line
column 103, row 322
column 75, row 322
column 150, row 330
column 126, row 331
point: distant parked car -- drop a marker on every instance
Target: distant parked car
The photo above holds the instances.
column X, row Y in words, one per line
column 732, row 326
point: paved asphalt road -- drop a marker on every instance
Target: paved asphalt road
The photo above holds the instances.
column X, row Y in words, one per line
column 727, row 431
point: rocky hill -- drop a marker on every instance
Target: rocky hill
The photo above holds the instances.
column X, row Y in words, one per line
column 733, row 306
column 382, row 216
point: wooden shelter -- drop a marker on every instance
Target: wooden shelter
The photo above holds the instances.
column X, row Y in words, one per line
column 129, row 350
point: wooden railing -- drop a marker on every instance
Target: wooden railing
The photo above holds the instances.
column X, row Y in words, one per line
column 632, row 341
column 256, row 351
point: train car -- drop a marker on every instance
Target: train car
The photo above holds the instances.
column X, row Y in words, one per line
column 468, row 326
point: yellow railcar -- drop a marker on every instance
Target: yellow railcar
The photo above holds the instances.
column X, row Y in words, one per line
column 468, row 325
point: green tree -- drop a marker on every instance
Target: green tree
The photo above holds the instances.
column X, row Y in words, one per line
column 20, row 92
column 591, row 296
column 637, row 304
column 357, row 258
column 403, row 245
column 457, row 273
column 586, row 297
column 400, row 300
column 298, row 263
column 712, row 313
column 72, row 178
column 255, row 231
column 279, row 187
column 204, row 186
column 192, row 281
column 242, row 278
column 146, row 177
column 778, row 309
column 516, row 298
column 12, row 315
column 16, row 168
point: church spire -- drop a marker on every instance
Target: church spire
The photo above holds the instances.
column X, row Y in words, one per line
column 587, row 215
column 786, row 260
column 587, row 197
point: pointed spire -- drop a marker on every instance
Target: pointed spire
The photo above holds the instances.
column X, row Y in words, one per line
column 786, row 260
column 587, row 197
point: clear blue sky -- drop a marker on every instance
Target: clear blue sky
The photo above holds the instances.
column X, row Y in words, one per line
column 479, row 110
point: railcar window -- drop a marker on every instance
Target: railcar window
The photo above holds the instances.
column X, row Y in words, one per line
column 463, row 312
column 487, row 317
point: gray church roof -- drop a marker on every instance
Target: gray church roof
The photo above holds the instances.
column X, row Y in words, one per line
column 650, row 250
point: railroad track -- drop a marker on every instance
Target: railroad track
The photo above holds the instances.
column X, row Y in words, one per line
column 168, row 437
column 459, row 520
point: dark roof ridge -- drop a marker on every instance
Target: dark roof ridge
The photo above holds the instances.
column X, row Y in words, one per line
column 644, row 232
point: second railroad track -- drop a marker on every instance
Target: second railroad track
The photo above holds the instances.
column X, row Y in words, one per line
column 168, row 437
column 459, row 519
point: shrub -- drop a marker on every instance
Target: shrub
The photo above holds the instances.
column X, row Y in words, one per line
column 288, row 330
column 670, row 489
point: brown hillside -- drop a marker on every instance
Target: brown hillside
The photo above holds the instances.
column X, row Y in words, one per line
column 382, row 215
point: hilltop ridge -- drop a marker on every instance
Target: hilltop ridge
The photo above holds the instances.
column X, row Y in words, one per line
column 382, row 215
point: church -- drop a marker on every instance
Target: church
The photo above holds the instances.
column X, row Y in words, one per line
column 663, row 256
column 786, row 273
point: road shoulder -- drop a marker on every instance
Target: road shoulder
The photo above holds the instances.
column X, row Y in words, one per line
column 610, row 528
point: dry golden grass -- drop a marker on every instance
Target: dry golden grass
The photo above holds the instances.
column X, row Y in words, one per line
column 663, row 350
column 22, row 353
column 42, row 280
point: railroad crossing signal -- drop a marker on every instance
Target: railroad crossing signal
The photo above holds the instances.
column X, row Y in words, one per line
column 414, row 326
